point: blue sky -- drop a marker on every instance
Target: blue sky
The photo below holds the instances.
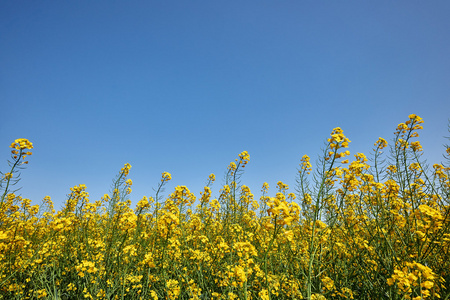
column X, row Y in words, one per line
column 185, row 86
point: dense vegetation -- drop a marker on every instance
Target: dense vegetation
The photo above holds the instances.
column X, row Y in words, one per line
column 370, row 228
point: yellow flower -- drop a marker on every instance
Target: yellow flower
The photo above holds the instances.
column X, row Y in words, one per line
column 244, row 158
column 306, row 165
column 392, row 169
column 21, row 144
column 282, row 186
column 166, row 176
column 126, row 169
column 338, row 139
column 41, row 293
column 3, row 235
column 101, row 294
column 264, row 294
column 427, row 284
column 416, row 146
column 153, row 295
column 289, row 235
column 381, row 143
column 143, row 203
column 212, row 177
column 307, row 199
column 173, row 289
column 328, row 283
column 318, row 297
column 232, row 166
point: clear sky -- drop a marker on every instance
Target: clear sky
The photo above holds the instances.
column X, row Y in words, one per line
column 185, row 86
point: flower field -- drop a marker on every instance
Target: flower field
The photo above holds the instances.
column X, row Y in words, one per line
column 354, row 227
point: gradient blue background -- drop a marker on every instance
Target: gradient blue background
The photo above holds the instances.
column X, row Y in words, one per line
column 184, row 86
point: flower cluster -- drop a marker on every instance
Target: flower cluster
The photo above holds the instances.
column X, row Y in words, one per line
column 374, row 228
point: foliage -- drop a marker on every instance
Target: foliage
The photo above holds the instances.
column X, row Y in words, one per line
column 351, row 231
